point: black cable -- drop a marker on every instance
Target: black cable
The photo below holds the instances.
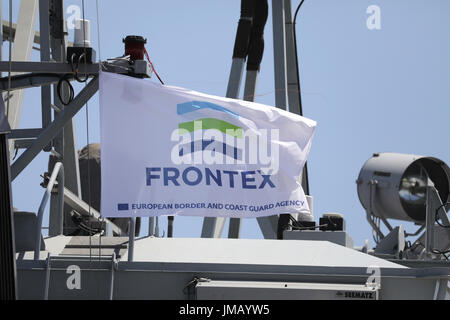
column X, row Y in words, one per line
column 331, row 221
column 296, row 55
column 78, row 220
column 443, row 253
column 65, row 79
column 297, row 225
column 305, row 170
column 80, row 58
column 436, row 217
column 307, row 228
column 435, row 251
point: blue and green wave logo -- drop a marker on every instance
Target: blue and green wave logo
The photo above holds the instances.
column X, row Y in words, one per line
column 207, row 124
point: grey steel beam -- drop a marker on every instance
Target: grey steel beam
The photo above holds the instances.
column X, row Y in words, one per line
column 234, row 82
column 291, row 64
column 234, row 229
column 44, row 26
column 29, row 80
column 151, row 226
column 156, row 227
column 23, row 143
column 47, row 276
column 71, row 158
column 279, row 53
column 268, row 225
column 111, row 282
column 23, row 42
column 7, row 31
column 293, row 82
column 213, row 227
column 54, row 128
column 56, row 39
column 65, row 142
column 24, row 133
column 434, row 209
column 131, row 237
column 251, row 77
column 83, row 208
column 47, row 67
column 58, row 172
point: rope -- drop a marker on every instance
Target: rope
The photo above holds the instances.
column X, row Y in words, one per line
column 98, row 33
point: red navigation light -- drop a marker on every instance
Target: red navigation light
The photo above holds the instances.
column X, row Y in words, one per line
column 134, row 47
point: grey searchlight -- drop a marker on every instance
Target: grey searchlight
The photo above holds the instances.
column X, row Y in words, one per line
column 393, row 185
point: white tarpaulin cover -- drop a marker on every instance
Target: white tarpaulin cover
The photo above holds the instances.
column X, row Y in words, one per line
column 173, row 151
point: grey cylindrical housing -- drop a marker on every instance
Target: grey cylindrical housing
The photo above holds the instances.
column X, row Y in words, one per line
column 400, row 188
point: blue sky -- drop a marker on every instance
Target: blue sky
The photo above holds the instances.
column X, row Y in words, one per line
column 370, row 91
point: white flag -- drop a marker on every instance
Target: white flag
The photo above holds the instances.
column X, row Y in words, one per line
column 173, row 151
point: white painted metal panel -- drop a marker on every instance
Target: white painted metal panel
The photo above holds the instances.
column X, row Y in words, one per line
column 253, row 252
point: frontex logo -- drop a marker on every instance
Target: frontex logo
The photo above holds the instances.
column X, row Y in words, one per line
column 215, row 134
column 187, row 107
column 209, row 124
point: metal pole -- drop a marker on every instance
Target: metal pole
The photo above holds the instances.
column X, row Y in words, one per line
column 65, row 141
column 170, row 226
column 251, row 77
column 284, row 64
column 131, row 236
column 23, row 43
column 213, row 227
column 44, row 26
column 47, row 277
column 111, row 280
column 279, row 53
column 291, row 62
column 430, row 219
column 58, row 170
column 268, row 225
column 156, row 226
column 433, row 202
column 234, row 82
column 151, row 226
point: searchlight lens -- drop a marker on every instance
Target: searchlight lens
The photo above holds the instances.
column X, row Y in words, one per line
column 413, row 189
